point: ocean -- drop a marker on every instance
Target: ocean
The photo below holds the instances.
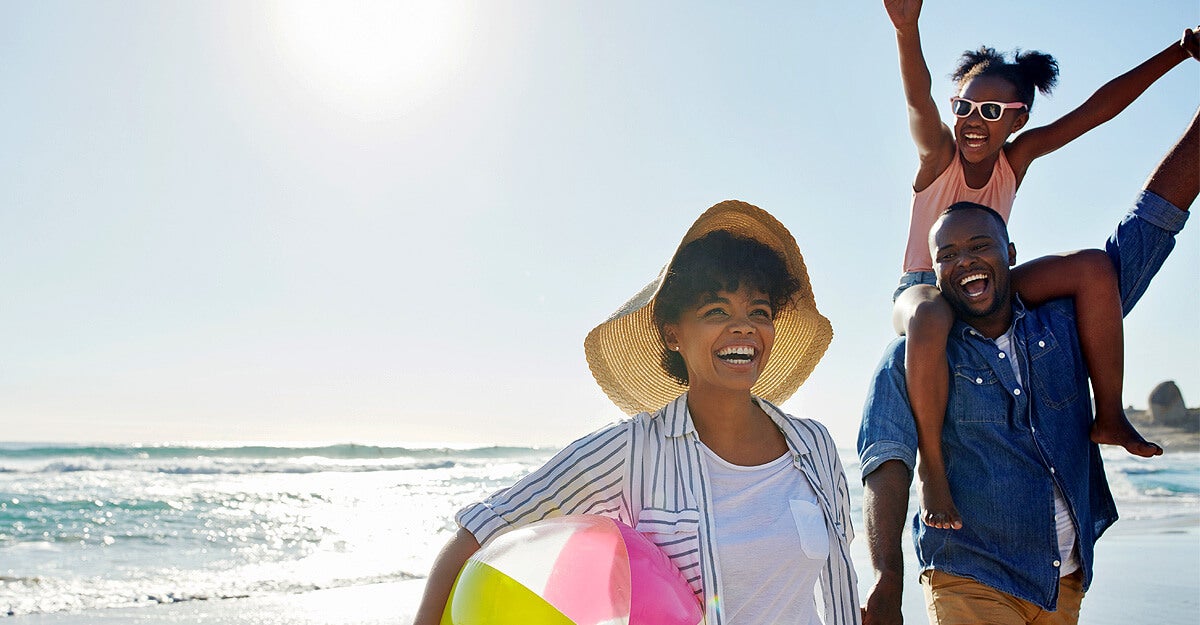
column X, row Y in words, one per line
column 86, row 528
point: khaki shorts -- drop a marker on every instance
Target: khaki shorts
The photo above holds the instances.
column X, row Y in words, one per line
column 954, row 600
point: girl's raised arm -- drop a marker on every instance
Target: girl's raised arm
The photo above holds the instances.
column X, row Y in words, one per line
column 934, row 140
column 1108, row 101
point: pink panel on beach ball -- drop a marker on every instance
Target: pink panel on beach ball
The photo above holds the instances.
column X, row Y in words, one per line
column 661, row 596
column 590, row 582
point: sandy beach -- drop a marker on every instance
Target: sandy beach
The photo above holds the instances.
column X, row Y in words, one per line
column 1146, row 572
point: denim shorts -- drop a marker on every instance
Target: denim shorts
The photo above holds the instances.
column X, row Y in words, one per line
column 913, row 278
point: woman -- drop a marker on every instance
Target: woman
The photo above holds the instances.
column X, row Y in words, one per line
column 749, row 503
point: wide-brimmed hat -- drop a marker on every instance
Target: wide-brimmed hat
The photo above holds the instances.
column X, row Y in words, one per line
column 624, row 352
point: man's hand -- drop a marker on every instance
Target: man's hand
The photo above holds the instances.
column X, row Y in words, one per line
column 1191, row 42
column 883, row 602
column 903, row 13
column 885, row 506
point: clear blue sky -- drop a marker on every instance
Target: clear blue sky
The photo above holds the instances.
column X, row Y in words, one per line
column 376, row 222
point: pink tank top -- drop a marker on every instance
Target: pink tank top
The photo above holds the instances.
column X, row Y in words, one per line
column 948, row 188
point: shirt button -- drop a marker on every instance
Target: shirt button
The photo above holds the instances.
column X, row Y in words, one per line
column 1052, row 469
column 979, row 380
column 1002, row 354
column 1016, row 391
column 1041, row 343
column 1057, row 564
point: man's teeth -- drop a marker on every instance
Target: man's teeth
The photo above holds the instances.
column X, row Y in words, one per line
column 971, row 278
column 974, row 285
column 738, row 353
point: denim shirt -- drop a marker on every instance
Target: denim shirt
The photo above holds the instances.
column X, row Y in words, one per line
column 1007, row 443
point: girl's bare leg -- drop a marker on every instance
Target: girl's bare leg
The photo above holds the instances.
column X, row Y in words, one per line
column 1090, row 278
column 925, row 318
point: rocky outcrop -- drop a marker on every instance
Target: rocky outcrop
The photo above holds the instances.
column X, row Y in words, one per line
column 1168, row 410
column 1166, row 421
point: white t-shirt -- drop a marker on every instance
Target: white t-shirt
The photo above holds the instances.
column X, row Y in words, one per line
column 1067, row 554
column 771, row 541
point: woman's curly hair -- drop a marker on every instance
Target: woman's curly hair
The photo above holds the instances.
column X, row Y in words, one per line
column 718, row 261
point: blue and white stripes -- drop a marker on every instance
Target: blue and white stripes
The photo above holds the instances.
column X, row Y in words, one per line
column 648, row 472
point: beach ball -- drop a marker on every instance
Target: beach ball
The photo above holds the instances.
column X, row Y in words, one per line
column 571, row 570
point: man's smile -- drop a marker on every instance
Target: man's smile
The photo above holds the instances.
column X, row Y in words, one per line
column 974, row 285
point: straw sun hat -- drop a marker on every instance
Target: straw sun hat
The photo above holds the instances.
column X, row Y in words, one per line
column 624, row 352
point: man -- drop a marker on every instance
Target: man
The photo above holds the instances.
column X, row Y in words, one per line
column 1028, row 481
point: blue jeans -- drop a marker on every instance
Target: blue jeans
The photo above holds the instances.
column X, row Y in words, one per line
column 913, row 278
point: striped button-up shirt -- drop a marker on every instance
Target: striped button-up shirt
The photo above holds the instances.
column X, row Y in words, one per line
column 648, row 472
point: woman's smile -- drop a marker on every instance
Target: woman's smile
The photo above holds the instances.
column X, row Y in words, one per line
column 725, row 340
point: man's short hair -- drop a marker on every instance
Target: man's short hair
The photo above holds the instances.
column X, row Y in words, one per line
column 958, row 206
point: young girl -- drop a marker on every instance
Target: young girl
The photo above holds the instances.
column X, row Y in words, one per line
column 976, row 162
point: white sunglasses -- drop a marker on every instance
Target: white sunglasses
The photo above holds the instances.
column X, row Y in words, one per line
column 991, row 111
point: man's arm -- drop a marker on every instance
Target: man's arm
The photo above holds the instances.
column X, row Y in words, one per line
column 1177, row 177
column 885, row 508
column 1146, row 236
column 887, row 451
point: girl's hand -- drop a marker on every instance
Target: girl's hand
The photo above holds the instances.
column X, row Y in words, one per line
column 903, row 13
column 1191, row 42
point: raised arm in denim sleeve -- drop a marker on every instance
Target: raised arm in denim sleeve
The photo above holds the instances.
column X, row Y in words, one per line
column 888, row 431
column 586, row 477
column 1141, row 242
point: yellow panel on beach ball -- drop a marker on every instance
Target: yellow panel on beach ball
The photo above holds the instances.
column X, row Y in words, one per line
column 484, row 596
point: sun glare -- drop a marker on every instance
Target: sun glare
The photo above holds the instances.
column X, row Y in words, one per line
column 371, row 54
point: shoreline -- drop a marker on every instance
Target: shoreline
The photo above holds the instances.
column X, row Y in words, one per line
column 371, row 604
column 1171, row 439
column 1142, row 567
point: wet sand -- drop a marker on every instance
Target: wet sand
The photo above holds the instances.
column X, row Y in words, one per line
column 1146, row 573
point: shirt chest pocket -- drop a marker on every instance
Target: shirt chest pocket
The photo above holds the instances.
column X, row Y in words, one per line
column 1054, row 374
column 810, row 525
column 676, row 532
column 977, row 396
